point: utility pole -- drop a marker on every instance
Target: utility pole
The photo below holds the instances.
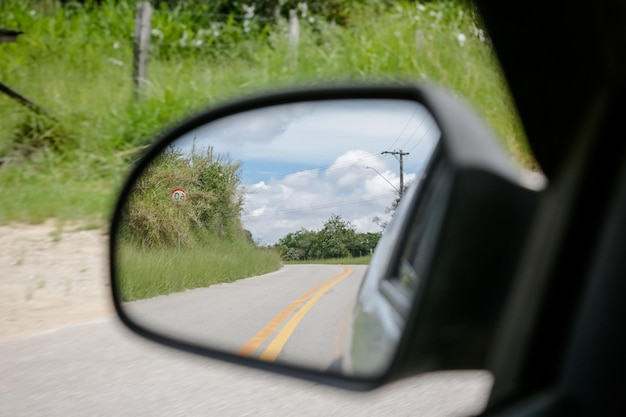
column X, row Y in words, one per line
column 399, row 156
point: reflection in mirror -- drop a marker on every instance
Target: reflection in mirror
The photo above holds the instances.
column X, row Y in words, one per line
column 252, row 234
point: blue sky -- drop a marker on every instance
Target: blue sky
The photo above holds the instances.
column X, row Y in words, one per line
column 303, row 162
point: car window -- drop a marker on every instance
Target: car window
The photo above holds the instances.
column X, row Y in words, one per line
column 402, row 284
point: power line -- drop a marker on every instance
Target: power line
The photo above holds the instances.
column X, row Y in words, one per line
column 422, row 138
column 404, row 128
column 415, row 131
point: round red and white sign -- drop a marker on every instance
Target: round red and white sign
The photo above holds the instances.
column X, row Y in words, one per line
column 178, row 196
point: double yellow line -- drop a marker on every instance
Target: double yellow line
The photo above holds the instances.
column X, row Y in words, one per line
column 275, row 347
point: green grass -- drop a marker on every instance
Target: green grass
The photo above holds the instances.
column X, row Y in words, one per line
column 146, row 273
column 38, row 198
column 362, row 260
column 77, row 65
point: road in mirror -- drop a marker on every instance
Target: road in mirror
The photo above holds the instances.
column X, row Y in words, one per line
column 252, row 234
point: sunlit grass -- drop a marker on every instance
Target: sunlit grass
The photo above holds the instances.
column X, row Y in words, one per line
column 361, row 260
column 146, row 273
column 77, row 65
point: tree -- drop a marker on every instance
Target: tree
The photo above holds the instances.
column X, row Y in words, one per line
column 394, row 204
column 337, row 239
column 366, row 243
column 295, row 246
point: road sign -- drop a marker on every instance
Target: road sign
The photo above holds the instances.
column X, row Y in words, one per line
column 178, row 196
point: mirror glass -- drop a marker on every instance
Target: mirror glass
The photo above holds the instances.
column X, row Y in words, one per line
column 252, row 234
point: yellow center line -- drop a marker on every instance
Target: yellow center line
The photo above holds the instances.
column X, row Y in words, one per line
column 256, row 340
column 272, row 351
column 341, row 334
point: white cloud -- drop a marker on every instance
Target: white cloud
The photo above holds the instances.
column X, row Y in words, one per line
column 303, row 162
column 307, row 199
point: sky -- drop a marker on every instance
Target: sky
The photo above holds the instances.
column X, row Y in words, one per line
column 303, row 162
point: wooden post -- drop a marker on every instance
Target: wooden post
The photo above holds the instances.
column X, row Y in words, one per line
column 420, row 41
column 141, row 47
column 294, row 38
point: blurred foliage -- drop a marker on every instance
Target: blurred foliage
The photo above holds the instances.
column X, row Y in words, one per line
column 337, row 11
column 75, row 61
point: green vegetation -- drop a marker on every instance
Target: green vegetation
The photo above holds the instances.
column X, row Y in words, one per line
column 165, row 247
column 146, row 273
column 75, row 62
column 211, row 211
column 338, row 239
column 361, row 260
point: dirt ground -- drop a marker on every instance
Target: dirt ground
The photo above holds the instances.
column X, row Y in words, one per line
column 51, row 276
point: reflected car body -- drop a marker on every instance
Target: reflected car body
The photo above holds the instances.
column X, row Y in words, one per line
column 471, row 200
column 377, row 322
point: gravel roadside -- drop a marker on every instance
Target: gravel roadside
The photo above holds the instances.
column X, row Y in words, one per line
column 51, row 277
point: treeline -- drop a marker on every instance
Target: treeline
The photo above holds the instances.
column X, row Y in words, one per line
column 192, row 28
column 337, row 11
column 337, row 239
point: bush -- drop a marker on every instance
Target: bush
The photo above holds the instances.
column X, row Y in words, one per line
column 213, row 208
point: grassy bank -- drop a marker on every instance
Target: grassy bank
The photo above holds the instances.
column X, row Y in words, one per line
column 362, row 260
column 146, row 273
column 77, row 64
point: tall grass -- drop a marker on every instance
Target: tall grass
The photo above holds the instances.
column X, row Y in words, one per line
column 361, row 260
column 76, row 63
column 211, row 210
column 145, row 273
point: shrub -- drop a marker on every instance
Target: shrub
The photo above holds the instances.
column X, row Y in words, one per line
column 212, row 210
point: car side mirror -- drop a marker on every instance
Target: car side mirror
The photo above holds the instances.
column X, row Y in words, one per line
column 246, row 234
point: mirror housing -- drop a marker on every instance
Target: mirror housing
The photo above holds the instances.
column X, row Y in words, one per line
column 468, row 216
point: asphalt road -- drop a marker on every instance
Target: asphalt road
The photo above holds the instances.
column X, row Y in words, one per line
column 295, row 315
column 99, row 368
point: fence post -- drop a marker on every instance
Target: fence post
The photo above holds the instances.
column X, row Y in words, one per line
column 141, row 47
column 294, row 38
column 420, row 41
